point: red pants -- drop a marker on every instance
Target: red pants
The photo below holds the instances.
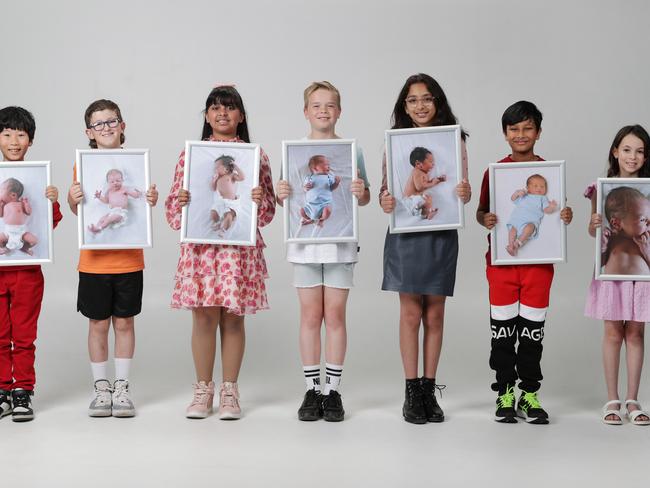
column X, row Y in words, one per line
column 21, row 293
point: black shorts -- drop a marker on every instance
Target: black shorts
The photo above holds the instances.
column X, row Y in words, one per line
column 101, row 296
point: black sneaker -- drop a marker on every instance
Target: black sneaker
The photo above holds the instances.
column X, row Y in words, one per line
column 333, row 407
column 311, row 408
column 506, row 407
column 22, row 400
column 413, row 409
column 5, row 403
column 432, row 409
column 529, row 409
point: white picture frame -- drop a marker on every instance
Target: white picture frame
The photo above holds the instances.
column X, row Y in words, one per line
column 318, row 221
column 208, row 217
column 612, row 270
column 548, row 241
column 131, row 226
column 35, row 177
column 413, row 212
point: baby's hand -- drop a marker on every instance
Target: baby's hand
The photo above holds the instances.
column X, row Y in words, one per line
column 75, row 194
column 282, row 190
column 387, row 202
column 518, row 194
column 357, row 187
column 337, row 180
column 552, row 207
column 566, row 214
column 308, row 186
column 52, row 193
column 152, row 196
column 442, row 178
column 257, row 194
column 183, row 197
column 489, row 220
column 138, row 193
column 643, row 241
column 24, row 200
column 464, row 190
column 98, row 194
column 605, row 236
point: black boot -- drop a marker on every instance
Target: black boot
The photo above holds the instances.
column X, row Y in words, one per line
column 433, row 411
column 413, row 410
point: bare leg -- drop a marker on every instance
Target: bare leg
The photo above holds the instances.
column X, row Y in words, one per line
column 4, row 239
column 204, row 340
column 634, row 344
column 104, row 222
column 512, row 237
column 98, row 340
column 124, row 336
column 228, row 219
column 528, row 231
column 612, row 342
column 311, row 318
column 433, row 318
column 233, row 341
column 335, row 332
column 29, row 241
column 410, row 316
column 305, row 218
column 428, row 212
column 214, row 217
column 327, row 211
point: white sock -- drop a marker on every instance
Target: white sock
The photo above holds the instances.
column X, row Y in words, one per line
column 332, row 377
column 122, row 366
column 99, row 370
column 312, row 376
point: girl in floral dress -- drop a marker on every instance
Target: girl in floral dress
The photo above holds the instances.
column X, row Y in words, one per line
column 219, row 283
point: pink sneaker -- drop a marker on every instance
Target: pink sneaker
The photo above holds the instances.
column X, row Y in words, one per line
column 201, row 405
column 229, row 401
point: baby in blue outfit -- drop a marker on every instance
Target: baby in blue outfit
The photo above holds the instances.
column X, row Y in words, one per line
column 318, row 187
column 530, row 206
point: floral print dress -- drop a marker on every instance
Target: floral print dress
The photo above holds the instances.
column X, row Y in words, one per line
column 216, row 275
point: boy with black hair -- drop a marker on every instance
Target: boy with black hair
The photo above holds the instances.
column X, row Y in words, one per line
column 519, row 294
column 21, row 288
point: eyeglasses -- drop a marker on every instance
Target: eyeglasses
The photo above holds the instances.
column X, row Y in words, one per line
column 426, row 101
column 99, row 126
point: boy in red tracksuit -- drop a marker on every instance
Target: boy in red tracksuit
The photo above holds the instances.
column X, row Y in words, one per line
column 21, row 288
column 519, row 294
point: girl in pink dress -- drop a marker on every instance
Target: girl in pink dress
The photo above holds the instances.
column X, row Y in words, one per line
column 623, row 305
column 219, row 283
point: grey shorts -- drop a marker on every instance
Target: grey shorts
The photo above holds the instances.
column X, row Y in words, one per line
column 333, row 275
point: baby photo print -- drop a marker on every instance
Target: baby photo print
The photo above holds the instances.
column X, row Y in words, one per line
column 114, row 213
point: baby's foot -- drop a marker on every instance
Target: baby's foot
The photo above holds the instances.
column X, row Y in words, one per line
column 94, row 229
column 28, row 250
column 512, row 250
column 3, row 251
column 432, row 212
column 306, row 222
column 320, row 222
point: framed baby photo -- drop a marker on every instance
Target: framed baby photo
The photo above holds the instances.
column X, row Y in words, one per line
column 25, row 213
column 220, row 177
column 321, row 207
column 623, row 239
column 114, row 213
column 423, row 167
column 527, row 199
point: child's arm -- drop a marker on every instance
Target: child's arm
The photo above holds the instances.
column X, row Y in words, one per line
column 27, row 207
column 483, row 214
column 282, row 192
column 264, row 195
column 551, row 207
column 75, row 196
column 133, row 192
column 152, row 195
column 422, row 182
column 337, row 182
column 177, row 197
column 464, row 189
column 386, row 200
column 213, row 182
column 308, row 184
column 643, row 242
column 2, row 208
column 518, row 194
column 237, row 174
column 101, row 197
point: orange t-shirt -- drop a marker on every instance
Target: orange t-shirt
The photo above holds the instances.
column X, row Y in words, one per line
column 109, row 261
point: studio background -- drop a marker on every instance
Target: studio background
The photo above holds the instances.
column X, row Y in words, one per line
column 584, row 63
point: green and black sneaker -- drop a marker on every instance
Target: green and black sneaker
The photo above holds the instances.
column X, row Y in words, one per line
column 530, row 410
column 506, row 407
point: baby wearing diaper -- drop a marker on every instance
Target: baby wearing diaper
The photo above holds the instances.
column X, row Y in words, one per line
column 530, row 206
column 225, row 202
column 117, row 197
column 14, row 211
column 416, row 199
column 318, row 187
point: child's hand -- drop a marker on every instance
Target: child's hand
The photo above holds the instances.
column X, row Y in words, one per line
column 75, row 194
column 98, row 194
column 24, row 200
column 337, row 180
column 387, row 202
column 518, row 194
column 464, row 190
column 552, row 207
column 152, row 196
column 183, row 197
column 257, row 194
column 52, row 193
column 358, row 188
column 489, row 220
column 442, row 178
column 643, row 241
column 605, row 236
column 282, row 190
column 308, row 186
column 566, row 215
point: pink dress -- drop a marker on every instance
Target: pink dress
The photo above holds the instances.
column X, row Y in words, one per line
column 222, row 276
column 617, row 300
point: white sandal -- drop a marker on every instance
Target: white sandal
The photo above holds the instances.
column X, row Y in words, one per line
column 635, row 414
column 608, row 411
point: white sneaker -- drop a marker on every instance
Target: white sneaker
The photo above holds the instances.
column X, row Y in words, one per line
column 100, row 406
column 122, row 403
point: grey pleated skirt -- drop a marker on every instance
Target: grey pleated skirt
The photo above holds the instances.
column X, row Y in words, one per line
column 422, row 263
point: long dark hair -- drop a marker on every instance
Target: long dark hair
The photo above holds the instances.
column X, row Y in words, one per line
column 444, row 116
column 636, row 130
column 226, row 95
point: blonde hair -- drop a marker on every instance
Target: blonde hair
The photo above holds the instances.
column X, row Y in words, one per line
column 321, row 85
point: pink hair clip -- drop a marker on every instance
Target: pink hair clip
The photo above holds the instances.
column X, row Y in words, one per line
column 219, row 85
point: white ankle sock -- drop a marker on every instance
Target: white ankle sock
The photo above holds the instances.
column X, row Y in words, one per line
column 122, row 366
column 99, row 370
column 332, row 377
column 312, row 376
